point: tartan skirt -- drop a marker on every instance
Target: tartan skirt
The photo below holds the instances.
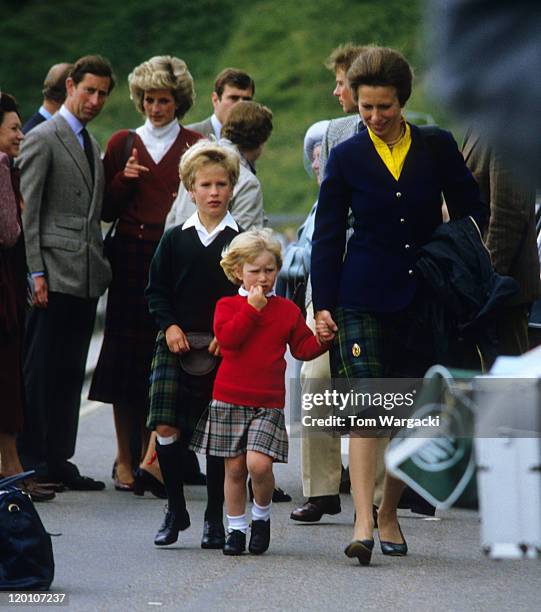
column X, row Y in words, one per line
column 373, row 345
column 176, row 398
column 227, row 430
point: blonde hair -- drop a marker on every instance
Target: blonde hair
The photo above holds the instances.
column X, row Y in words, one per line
column 163, row 72
column 203, row 153
column 246, row 247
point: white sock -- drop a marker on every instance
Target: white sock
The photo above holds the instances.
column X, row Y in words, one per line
column 261, row 513
column 240, row 523
column 168, row 440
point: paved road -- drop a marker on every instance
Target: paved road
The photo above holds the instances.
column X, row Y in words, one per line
column 105, row 559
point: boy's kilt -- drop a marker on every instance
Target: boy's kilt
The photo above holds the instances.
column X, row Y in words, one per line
column 175, row 398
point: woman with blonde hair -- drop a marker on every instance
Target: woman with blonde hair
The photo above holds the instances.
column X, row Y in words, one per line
column 141, row 170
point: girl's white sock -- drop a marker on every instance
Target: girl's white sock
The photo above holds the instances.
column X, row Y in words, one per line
column 240, row 523
column 261, row 513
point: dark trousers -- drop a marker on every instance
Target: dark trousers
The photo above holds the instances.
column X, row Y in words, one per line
column 55, row 351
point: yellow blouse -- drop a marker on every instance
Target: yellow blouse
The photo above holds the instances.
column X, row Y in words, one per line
column 393, row 158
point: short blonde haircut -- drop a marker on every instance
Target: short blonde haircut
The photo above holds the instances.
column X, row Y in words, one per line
column 204, row 153
column 246, row 247
column 163, row 72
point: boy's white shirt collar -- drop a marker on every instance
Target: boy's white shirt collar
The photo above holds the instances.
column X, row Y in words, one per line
column 244, row 293
column 204, row 236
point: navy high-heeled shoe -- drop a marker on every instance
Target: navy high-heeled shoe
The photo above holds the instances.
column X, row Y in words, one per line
column 392, row 548
column 360, row 549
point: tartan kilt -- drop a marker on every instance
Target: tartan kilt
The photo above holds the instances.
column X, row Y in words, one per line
column 358, row 348
column 376, row 345
column 123, row 368
column 176, row 398
column 227, row 430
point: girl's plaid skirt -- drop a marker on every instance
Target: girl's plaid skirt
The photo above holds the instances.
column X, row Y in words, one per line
column 227, row 430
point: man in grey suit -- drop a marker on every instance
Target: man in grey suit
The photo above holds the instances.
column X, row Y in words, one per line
column 62, row 182
column 231, row 86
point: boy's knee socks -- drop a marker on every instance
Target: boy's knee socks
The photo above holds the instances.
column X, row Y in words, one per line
column 170, row 458
column 215, row 488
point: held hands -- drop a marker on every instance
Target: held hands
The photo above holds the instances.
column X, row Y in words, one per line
column 41, row 292
column 325, row 326
column 256, row 297
column 133, row 169
column 176, row 340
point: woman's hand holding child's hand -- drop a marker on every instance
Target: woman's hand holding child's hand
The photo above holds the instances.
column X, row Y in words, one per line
column 256, row 297
column 176, row 340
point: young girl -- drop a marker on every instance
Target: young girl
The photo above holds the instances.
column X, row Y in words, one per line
column 185, row 282
column 245, row 421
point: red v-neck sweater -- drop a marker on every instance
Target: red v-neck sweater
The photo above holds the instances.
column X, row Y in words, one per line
column 253, row 344
column 147, row 199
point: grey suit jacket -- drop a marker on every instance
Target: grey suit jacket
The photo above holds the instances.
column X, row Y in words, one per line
column 337, row 131
column 511, row 236
column 62, row 210
column 203, row 127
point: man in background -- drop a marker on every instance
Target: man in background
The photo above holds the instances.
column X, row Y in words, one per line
column 231, row 86
column 54, row 94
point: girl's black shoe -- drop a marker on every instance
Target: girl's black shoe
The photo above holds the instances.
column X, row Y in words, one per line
column 235, row 543
column 260, row 537
column 144, row 481
column 360, row 549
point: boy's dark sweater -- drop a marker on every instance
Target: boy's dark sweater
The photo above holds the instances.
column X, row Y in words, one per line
column 186, row 279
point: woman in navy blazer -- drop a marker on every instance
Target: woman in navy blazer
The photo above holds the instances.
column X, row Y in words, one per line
column 392, row 176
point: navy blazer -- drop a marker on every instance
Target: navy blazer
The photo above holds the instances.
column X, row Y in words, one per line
column 392, row 219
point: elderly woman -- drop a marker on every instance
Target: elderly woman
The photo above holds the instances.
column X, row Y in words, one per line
column 392, row 178
column 141, row 169
column 246, row 130
column 13, row 292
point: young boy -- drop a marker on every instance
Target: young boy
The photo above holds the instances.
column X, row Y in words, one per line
column 245, row 421
column 185, row 282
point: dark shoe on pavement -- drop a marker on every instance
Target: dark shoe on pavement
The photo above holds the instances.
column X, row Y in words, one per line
column 394, row 549
column 172, row 524
column 68, row 474
column 361, row 550
column 313, row 509
column 36, row 491
column 213, row 535
column 260, row 537
column 235, row 543
column 84, row 483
